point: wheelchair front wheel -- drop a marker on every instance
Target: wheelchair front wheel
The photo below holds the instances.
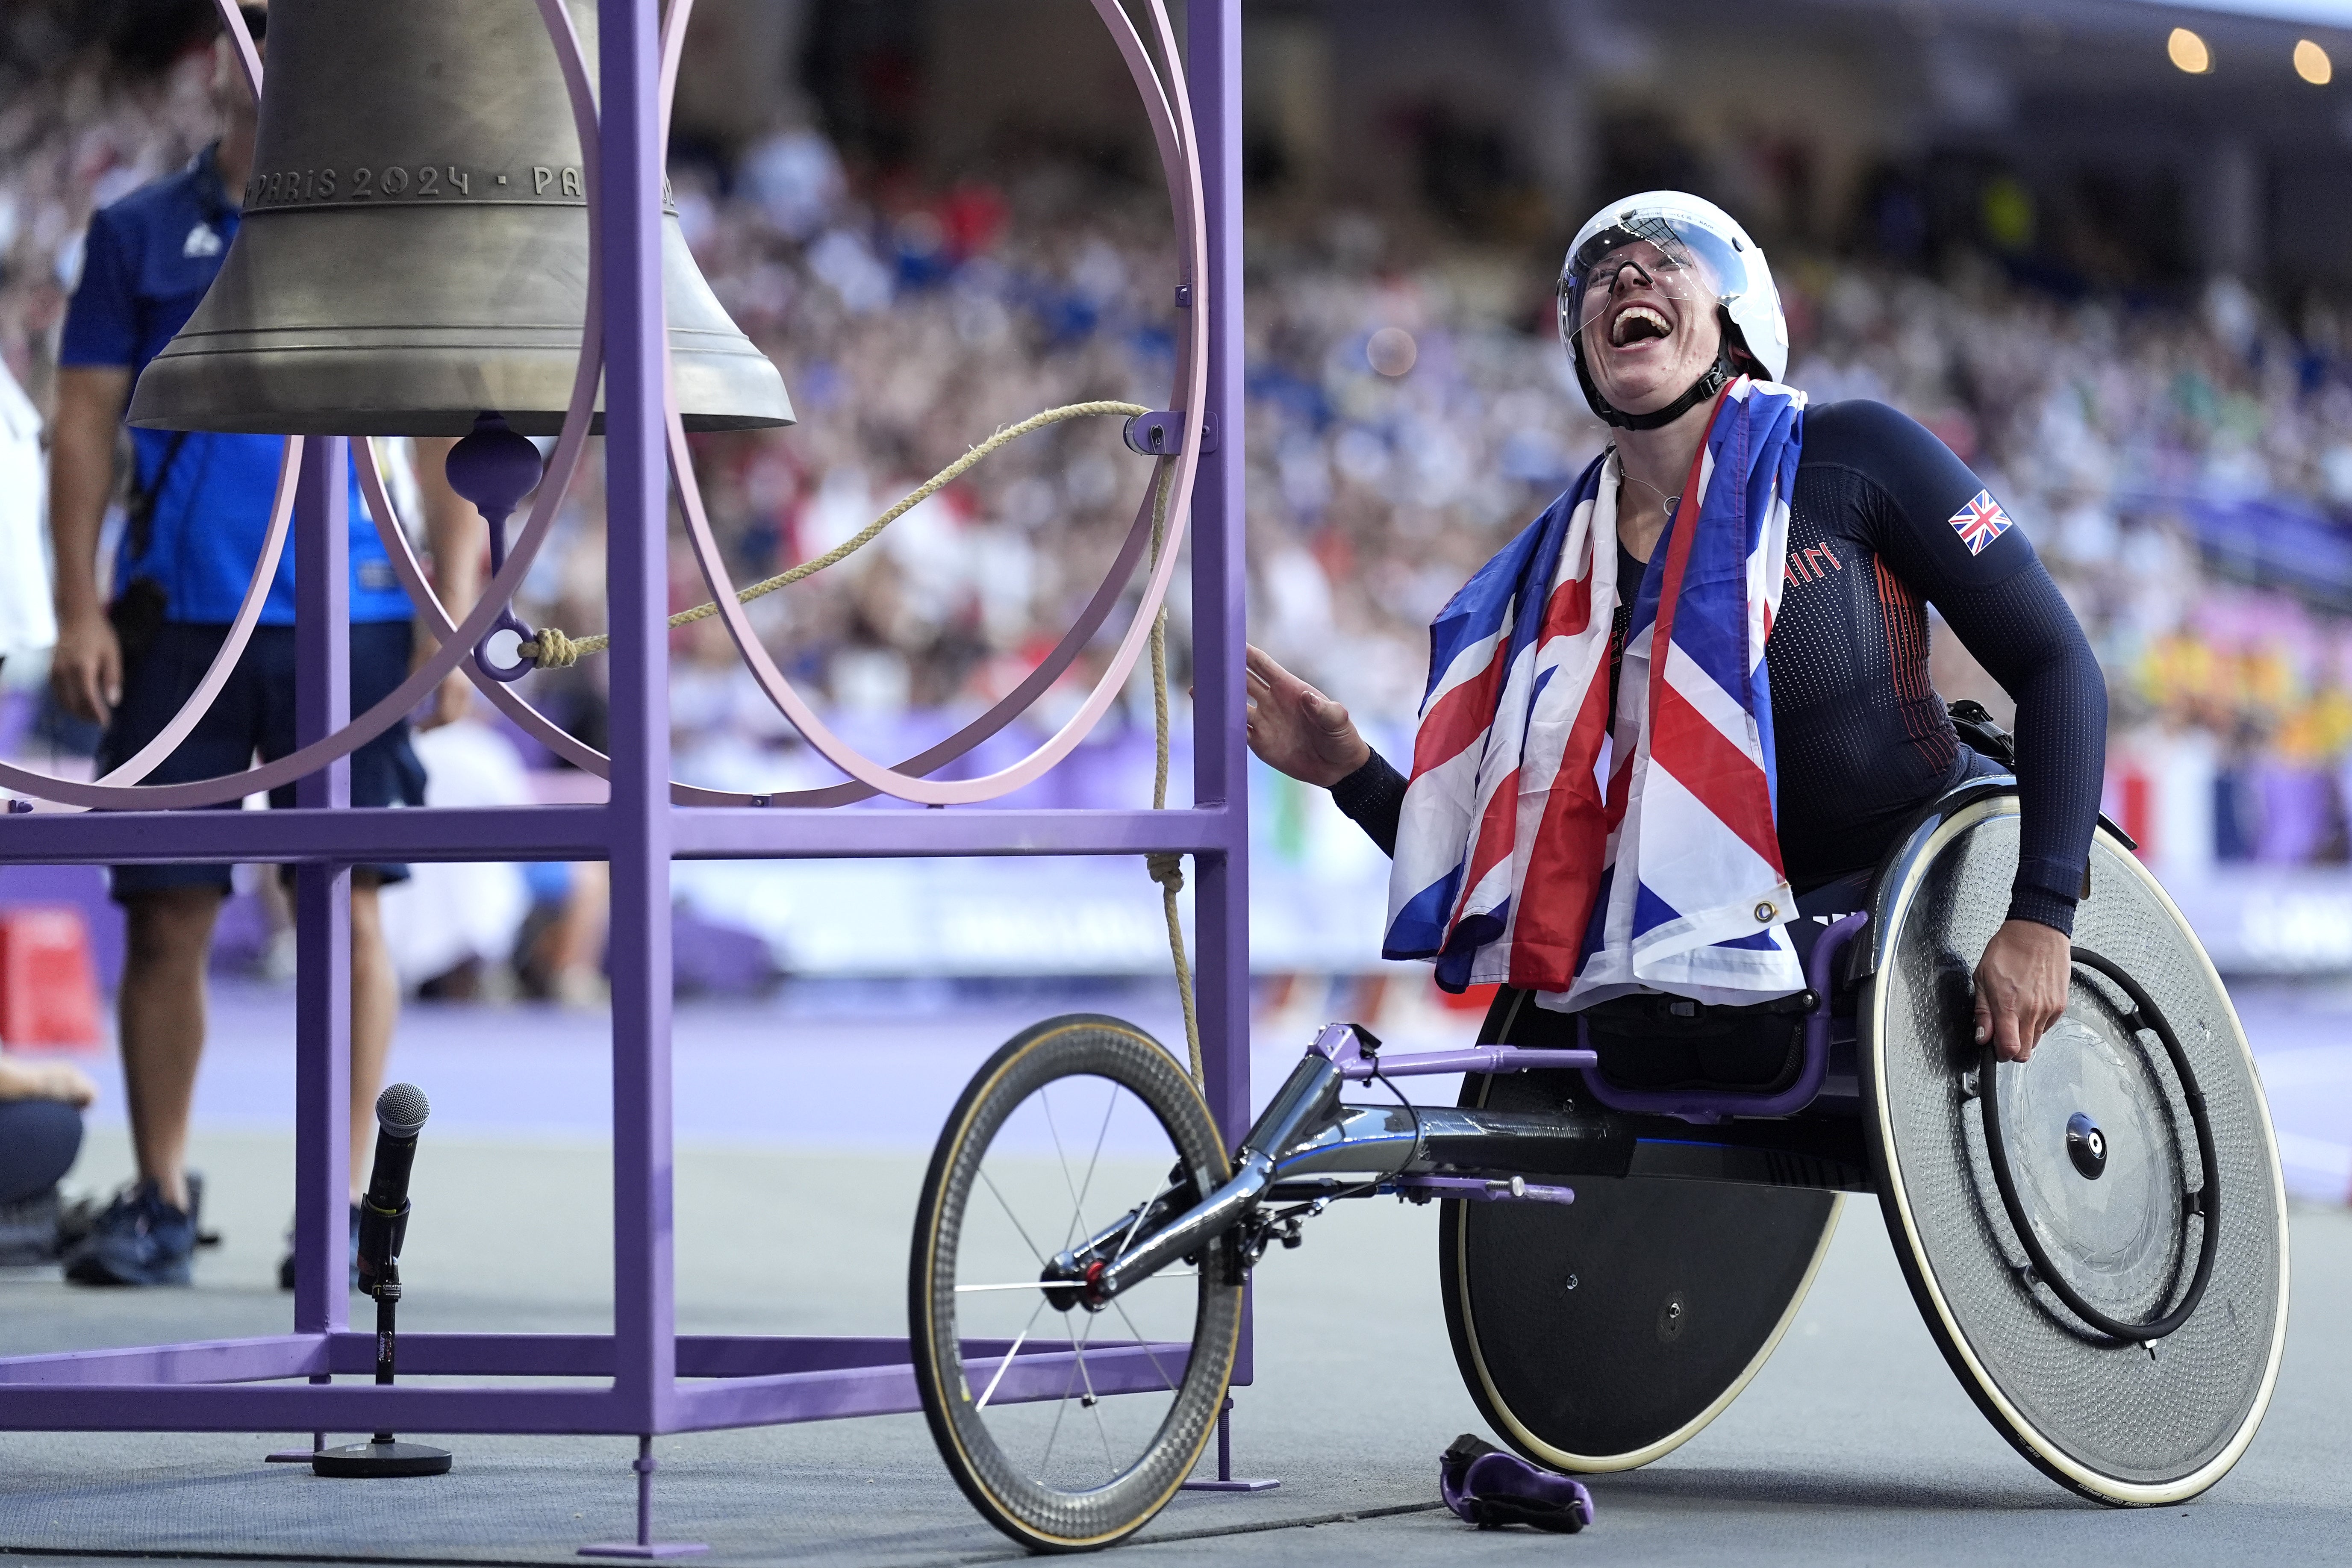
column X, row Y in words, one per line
column 1068, row 1428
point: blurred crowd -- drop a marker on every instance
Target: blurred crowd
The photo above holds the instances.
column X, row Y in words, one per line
column 2187, row 471
column 77, row 132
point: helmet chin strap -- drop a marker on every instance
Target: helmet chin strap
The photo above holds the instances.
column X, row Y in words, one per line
column 1718, row 376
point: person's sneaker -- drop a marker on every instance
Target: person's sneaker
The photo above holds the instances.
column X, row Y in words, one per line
column 286, row 1264
column 138, row 1240
column 76, row 1219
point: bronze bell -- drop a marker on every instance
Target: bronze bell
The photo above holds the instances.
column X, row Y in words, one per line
column 414, row 248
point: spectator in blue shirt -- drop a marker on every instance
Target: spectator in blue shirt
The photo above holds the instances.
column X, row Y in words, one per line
column 197, row 513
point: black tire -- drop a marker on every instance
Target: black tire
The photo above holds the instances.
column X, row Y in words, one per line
column 1167, row 1139
column 1682, row 1290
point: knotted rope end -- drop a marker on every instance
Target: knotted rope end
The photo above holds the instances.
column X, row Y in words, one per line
column 551, row 649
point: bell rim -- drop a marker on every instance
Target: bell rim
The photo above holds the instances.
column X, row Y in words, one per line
column 429, row 391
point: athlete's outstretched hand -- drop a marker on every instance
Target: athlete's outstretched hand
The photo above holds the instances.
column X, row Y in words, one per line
column 2021, row 986
column 1294, row 729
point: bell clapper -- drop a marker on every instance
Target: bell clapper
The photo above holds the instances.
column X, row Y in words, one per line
column 494, row 469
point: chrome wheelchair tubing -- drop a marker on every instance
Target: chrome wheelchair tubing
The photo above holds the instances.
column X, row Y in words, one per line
column 1307, row 1146
column 1355, row 1050
column 1358, row 1140
column 1305, row 1097
column 1305, row 1131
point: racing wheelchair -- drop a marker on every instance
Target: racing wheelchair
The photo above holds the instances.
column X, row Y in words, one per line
column 2096, row 1238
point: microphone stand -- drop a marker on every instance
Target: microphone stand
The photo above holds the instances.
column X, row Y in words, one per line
column 384, row 1226
column 382, row 1455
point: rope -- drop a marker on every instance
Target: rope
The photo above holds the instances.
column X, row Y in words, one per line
column 552, row 649
column 1165, row 866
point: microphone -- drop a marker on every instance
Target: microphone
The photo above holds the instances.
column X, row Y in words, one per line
column 400, row 1113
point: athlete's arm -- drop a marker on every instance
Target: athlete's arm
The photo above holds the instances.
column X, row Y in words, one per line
column 2023, row 631
column 1373, row 798
column 1999, row 599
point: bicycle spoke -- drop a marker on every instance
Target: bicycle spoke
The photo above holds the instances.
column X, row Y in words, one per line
column 1016, row 1285
column 1093, row 1403
column 1110, row 1460
column 1015, row 1218
column 1062, row 1406
column 1133, row 1226
column 1004, row 1366
column 1077, row 1204
column 1145, row 1346
column 1111, row 1103
column 1051, row 1284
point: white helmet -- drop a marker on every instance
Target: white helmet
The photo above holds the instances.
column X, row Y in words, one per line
column 1708, row 254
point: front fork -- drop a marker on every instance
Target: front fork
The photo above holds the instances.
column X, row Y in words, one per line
column 1146, row 1239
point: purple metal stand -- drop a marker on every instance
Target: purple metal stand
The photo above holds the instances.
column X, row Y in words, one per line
column 1220, row 625
column 644, row 1545
column 1226, row 1483
column 644, row 1378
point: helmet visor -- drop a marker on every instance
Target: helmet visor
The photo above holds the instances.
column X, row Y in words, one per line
column 1637, row 276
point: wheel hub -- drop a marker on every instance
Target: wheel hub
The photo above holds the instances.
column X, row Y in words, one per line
column 2086, row 1146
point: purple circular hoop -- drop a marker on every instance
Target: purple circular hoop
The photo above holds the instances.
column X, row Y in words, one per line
column 1173, row 132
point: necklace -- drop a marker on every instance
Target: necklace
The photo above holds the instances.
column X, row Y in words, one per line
column 1672, row 501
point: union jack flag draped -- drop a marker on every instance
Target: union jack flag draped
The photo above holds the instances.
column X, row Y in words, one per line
column 1514, row 862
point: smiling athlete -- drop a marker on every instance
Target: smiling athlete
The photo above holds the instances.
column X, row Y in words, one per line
column 1668, row 310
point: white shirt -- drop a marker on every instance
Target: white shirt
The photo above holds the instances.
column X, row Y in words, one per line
column 28, row 623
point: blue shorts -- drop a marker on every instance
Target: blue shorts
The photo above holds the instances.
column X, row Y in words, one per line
column 255, row 713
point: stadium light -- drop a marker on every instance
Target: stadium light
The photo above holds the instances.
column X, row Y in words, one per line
column 2189, row 52
column 2312, row 64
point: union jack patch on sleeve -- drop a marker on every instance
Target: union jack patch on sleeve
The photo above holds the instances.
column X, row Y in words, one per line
column 1980, row 522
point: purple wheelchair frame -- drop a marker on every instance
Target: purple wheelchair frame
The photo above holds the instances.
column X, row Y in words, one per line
column 1718, row 1105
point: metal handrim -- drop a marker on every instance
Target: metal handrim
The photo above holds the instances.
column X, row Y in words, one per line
column 2203, row 1202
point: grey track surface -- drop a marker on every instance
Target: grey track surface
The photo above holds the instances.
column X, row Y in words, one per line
column 1854, row 1446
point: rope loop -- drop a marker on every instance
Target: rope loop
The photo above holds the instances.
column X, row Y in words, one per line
column 1167, row 869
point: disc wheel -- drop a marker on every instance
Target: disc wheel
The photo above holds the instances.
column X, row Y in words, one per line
column 1600, row 1335
column 2166, row 1220
column 1068, row 1428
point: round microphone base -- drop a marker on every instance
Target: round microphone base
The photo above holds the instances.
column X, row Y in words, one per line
column 371, row 1461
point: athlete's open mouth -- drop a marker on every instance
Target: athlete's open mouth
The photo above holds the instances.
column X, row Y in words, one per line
column 1636, row 322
